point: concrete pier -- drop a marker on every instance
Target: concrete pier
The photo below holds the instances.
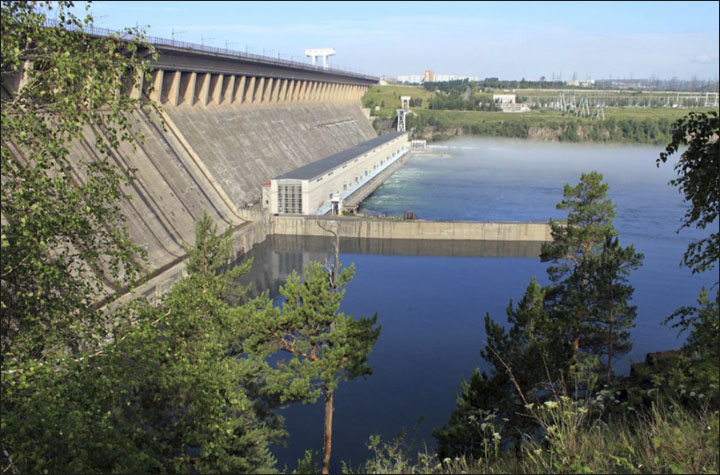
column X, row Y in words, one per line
column 410, row 229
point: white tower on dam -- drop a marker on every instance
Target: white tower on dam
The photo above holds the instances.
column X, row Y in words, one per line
column 320, row 52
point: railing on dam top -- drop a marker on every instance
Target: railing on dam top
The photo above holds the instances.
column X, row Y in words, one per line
column 129, row 35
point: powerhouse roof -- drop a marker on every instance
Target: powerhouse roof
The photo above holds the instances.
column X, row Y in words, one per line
column 324, row 165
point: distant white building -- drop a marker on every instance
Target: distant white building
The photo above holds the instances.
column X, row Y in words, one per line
column 429, row 76
column 453, row 77
column 506, row 103
column 504, row 98
column 411, row 79
column 581, row 82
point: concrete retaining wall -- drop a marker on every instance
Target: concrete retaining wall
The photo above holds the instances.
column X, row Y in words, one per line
column 388, row 229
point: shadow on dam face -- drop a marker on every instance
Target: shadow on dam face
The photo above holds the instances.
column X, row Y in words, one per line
column 275, row 258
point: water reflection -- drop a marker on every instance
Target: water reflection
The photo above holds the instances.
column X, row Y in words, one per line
column 278, row 255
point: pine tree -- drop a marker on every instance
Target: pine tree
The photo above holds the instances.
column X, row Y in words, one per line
column 324, row 346
column 533, row 349
column 612, row 315
column 575, row 245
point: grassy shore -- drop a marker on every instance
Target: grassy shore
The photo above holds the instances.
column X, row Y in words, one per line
column 628, row 124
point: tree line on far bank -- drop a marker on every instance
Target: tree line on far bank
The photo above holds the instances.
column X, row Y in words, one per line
column 436, row 126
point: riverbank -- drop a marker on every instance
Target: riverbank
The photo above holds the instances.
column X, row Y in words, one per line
column 622, row 124
column 641, row 126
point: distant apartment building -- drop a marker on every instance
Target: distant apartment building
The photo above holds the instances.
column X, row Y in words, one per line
column 453, row 77
column 411, row 79
column 430, row 76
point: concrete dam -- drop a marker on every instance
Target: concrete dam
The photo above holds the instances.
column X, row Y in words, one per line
column 231, row 122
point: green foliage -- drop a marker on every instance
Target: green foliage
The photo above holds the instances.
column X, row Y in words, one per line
column 622, row 125
column 553, row 332
column 172, row 391
column 395, row 456
column 471, row 429
column 702, row 322
column 489, row 407
column 611, row 314
column 575, row 247
column 663, row 439
column 324, row 346
column 63, row 241
column 699, row 181
column 308, row 463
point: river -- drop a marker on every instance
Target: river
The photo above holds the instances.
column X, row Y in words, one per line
column 431, row 298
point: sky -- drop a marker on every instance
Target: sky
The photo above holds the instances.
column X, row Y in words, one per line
column 508, row 40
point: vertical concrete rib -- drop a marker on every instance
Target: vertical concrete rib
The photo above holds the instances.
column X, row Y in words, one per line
column 216, row 84
column 315, row 91
column 275, row 92
column 205, row 89
column 260, row 88
column 267, row 97
column 341, row 93
column 157, row 85
column 228, row 96
column 289, row 96
column 305, row 91
column 189, row 97
column 174, row 92
column 295, row 96
column 250, row 92
column 282, row 91
column 302, row 95
column 240, row 94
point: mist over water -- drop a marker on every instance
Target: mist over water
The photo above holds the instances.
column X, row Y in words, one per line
column 431, row 304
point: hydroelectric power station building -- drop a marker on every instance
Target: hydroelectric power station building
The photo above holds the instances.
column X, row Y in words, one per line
column 321, row 187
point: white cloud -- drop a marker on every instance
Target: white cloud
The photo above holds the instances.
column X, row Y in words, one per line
column 705, row 59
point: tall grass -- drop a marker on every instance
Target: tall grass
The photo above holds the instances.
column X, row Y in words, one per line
column 663, row 439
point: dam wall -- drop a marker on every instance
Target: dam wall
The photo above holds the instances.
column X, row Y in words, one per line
column 197, row 159
column 244, row 146
column 169, row 193
column 226, row 125
column 350, row 227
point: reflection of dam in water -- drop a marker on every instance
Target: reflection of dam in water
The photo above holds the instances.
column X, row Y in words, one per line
column 277, row 256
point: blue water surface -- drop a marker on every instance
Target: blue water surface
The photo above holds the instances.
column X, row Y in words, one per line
column 431, row 308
